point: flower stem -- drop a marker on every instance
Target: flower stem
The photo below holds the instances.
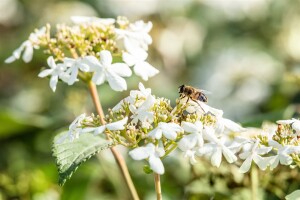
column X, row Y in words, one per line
column 157, row 186
column 118, row 157
column 254, row 182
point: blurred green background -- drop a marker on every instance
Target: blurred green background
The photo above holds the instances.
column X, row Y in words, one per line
column 247, row 53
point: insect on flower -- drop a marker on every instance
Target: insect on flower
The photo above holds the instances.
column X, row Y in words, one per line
column 193, row 94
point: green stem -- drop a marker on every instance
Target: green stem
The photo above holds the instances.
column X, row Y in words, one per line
column 118, row 157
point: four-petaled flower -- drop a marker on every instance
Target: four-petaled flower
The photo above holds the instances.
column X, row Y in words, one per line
column 169, row 130
column 195, row 137
column 215, row 148
column 27, row 46
column 153, row 154
column 56, row 71
column 253, row 152
column 104, row 70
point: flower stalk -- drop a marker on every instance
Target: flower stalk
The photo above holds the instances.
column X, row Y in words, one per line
column 118, row 157
column 157, row 186
column 254, row 182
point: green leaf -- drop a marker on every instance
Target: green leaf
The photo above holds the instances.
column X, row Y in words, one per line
column 70, row 154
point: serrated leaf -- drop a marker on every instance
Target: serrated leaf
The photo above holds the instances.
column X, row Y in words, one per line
column 70, row 154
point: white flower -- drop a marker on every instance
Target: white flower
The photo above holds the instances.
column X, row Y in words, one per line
column 252, row 151
column 27, row 47
column 118, row 125
column 294, row 122
column 169, row 130
column 191, row 155
column 143, row 113
column 188, row 142
column 151, row 152
column 136, row 35
column 136, row 98
column 55, row 71
column 200, row 107
column 223, row 124
column 283, row 154
column 73, row 66
column 92, row 20
column 104, row 70
column 216, row 148
column 75, row 128
column 137, row 59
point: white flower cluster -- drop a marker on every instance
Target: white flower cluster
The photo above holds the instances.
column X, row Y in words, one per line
column 133, row 41
column 154, row 129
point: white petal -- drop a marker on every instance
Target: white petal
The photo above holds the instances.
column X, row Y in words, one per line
column 188, row 142
column 118, row 125
column 51, row 62
column 141, row 153
column 73, row 77
column 261, row 162
column 92, row 62
column 294, row 195
column 99, row 130
column 288, row 121
column 121, row 69
column 155, row 133
column 129, row 59
column 145, row 70
column 232, row 126
column 275, row 144
column 274, row 161
column 189, row 127
column 53, row 82
column 296, row 125
column 263, row 150
column 105, row 58
column 45, row 73
column 216, row 158
column 246, row 165
column 244, row 155
column 285, row 159
column 28, row 53
column 10, row 59
column 229, row 155
column 156, row 165
column 116, row 82
column 98, row 77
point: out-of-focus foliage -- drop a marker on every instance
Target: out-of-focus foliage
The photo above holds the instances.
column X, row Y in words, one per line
column 247, row 53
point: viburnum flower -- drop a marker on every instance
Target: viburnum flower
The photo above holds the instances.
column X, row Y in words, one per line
column 114, row 126
column 137, row 59
column 169, row 130
column 77, row 127
column 92, row 20
column 195, row 137
column 104, row 70
column 252, row 152
column 143, row 113
column 73, row 66
column 136, row 97
column 136, row 35
column 56, row 71
column 215, row 148
column 223, row 124
column 27, row 47
column 153, row 154
column 283, row 154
